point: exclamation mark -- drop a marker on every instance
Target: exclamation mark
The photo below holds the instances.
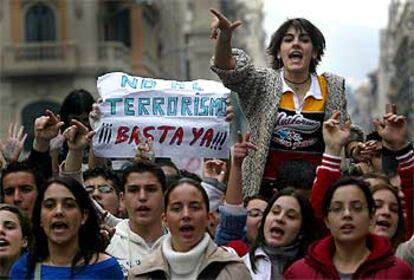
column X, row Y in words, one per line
column 108, row 139
column 218, row 141
column 106, row 132
column 215, row 139
column 101, row 133
column 223, row 140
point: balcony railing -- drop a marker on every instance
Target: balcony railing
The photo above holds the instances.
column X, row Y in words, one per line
column 39, row 58
column 113, row 56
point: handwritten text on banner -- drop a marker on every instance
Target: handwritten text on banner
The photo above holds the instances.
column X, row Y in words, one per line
column 183, row 118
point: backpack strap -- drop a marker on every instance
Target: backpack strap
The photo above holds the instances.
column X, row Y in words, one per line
column 212, row 271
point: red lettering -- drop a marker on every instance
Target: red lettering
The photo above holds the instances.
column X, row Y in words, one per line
column 208, row 136
column 147, row 133
column 122, row 134
column 196, row 135
column 178, row 136
column 135, row 135
column 165, row 129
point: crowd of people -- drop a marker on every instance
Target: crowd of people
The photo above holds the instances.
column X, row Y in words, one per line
column 305, row 195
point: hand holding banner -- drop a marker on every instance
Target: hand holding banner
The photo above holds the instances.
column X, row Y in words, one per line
column 182, row 118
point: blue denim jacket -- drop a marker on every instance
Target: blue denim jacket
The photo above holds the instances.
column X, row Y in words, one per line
column 232, row 224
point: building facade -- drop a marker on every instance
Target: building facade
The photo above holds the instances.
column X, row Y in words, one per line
column 50, row 47
column 396, row 70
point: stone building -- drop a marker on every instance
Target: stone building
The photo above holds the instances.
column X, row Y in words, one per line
column 396, row 69
column 50, row 47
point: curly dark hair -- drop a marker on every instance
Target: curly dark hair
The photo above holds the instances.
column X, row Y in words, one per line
column 301, row 24
column 91, row 241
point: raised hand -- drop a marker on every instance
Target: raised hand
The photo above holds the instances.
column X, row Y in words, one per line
column 221, row 26
column 56, row 143
column 335, row 136
column 215, row 168
column 13, row 146
column 78, row 136
column 95, row 115
column 229, row 111
column 241, row 149
column 145, row 149
column 393, row 131
column 45, row 128
column 363, row 152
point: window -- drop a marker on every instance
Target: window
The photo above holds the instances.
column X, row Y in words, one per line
column 40, row 23
column 117, row 23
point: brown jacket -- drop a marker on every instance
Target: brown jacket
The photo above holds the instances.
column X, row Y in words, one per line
column 215, row 259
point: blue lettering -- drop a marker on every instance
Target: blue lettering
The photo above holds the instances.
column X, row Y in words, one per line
column 128, row 105
column 217, row 107
column 112, row 102
column 177, row 85
column 196, row 103
column 125, row 80
column 197, row 87
column 156, row 106
column 142, row 103
column 148, row 83
column 203, row 106
column 185, row 103
column 172, row 106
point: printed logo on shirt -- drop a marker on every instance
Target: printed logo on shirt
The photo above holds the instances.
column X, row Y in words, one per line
column 295, row 131
column 296, row 122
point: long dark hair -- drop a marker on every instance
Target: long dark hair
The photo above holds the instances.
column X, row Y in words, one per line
column 316, row 36
column 307, row 233
column 91, row 241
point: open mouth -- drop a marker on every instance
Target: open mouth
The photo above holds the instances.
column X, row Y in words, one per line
column 143, row 209
column 59, row 226
column 187, row 229
column 347, row 228
column 277, row 232
column 4, row 243
column 296, row 55
column 384, row 225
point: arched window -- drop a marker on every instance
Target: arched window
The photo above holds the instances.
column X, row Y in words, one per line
column 40, row 23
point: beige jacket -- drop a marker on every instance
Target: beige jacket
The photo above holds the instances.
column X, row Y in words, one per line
column 155, row 265
column 259, row 90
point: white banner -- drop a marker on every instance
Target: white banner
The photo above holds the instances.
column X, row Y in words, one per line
column 182, row 118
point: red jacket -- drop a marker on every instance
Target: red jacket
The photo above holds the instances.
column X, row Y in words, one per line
column 380, row 264
column 406, row 171
column 326, row 174
column 240, row 246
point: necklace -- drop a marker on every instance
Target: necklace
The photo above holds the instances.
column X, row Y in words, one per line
column 297, row 83
column 299, row 87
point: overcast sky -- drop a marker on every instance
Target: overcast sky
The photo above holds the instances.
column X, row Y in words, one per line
column 351, row 29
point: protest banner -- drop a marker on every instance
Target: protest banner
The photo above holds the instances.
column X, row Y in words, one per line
column 182, row 118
